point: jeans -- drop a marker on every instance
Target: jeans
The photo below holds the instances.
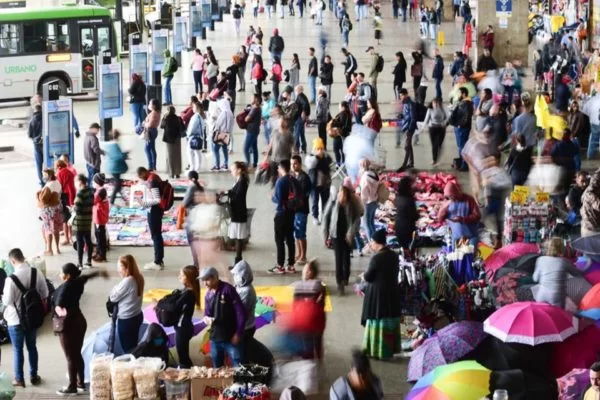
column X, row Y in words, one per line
column 509, row 93
column 190, row 239
column 197, row 81
column 275, row 89
column 409, row 158
column 168, row 95
column 276, row 54
column 436, row 135
column 269, row 10
column 215, row 148
column 266, row 125
column 594, row 141
column 345, row 39
column 319, row 16
column 300, row 135
column 117, row 188
column 84, row 240
column 150, row 148
column 312, row 88
column 518, row 177
column 462, row 135
column 242, row 77
column 128, row 330
column 71, row 341
column 323, row 194
column 370, row 218
column 91, row 171
column 251, row 144
column 577, row 156
column 438, row 88
column 433, row 31
column 18, row 336
column 155, row 224
column 100, row 232
column 403, row 14
column 284, row 234
column 322, row 131
column 183, row 335
column 38, row 154
column 338, row 150
column 342, row 251
column 218, row 349
column 138, row 110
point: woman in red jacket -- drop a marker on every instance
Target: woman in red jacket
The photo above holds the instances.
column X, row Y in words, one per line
column 100, row 213
column 276, row 77
column 66, row 178
column 258, row 74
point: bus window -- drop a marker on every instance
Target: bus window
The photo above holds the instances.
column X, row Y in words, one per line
column 58, row 36
column 34, row 35
column 103, row 33
column 9, row 39
column 87, row 42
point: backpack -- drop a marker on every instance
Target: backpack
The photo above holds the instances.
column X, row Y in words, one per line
column 347, row 24
column 31, row 309
column 174, row 65
column 379, row 65
column 237, row 14
column 295, row 198
column 291, row 112
column 240, row 119
column 167, row 193
column 166, row 309
column 323, row 5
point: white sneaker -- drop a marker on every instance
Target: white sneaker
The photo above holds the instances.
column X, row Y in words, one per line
column 316, row 221
column 153, row 267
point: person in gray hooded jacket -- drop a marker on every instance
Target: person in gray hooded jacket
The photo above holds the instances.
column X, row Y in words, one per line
column 360, row 383
column 242, row 280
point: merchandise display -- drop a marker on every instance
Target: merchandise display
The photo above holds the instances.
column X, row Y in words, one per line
column 100, row 388
column 531, row 222
column 121, row 374
column 145, row 376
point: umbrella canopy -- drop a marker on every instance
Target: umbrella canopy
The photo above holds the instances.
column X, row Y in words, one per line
column 531, row 323
column 463, row 380
column 572, row 385
column 503, row 255
column 591, row 299
column 511, row 287
column 449, row 344
column 592, row 277
column 579, row 351
column 589, row 245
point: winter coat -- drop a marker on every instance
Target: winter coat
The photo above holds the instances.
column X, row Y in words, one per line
column 172, row 126
column 369, row 183
column 242, row 279
column 330, row 219
column 590, row 208
column 438, row 68
column 552, row 273
column 406, row 215
column 237, row 201
column 326, row 74
column 382, row 297
column 322, row 115
column 399, row 73
column 341, row 389
column 137, row 91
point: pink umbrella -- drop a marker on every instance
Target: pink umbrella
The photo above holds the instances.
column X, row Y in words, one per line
column 531, row 323
column 507, row 253
column 572, row 385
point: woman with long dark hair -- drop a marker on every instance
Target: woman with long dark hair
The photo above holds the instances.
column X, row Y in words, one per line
column 197, row 69
column 151, row 125
column 137, row 100
column 189, row 299
column 416, row 70
column 436, row 121
column 341, row 127
column 172, row 126
column 243, row 53
column 191, row 198
column 399, row 74
column 406, row 208
column 238, row 228
column 257, row 74
column 66, row 306
column 294, row 71
column 360, row 383
column 128, row 297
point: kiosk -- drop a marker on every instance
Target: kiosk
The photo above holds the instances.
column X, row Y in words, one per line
column 180, row 32
column 207, row 16
column 195, row 27
column 110, row 96
column 57, row 115
column 138, row 57
column 160, row 43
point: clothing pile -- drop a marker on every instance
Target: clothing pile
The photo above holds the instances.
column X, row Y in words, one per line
column 179, row 188
column 129, row 227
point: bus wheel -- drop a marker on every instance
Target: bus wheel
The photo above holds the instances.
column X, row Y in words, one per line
column 62, row 85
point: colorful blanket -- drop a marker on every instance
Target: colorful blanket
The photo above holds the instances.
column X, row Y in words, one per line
column 179, row 186
column 129, row 227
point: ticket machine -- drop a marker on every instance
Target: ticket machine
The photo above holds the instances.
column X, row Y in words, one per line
column 57, row 117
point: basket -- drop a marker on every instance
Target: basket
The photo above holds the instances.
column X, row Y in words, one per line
column 179, row 390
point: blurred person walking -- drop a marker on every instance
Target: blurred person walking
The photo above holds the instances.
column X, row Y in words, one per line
column 172, row 127
column 137, row 101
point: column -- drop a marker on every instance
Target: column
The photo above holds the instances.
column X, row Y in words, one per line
column 510, row 32
column 448, row 8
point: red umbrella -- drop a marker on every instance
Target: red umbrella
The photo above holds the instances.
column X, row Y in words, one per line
column 579, row 351
column 501, row 256
column 591, row 298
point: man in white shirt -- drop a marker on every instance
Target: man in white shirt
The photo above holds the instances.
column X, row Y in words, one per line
column 11, row 299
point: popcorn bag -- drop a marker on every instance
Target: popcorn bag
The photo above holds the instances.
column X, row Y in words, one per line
column 121, row 372
column 145, row 376
column 100, row 376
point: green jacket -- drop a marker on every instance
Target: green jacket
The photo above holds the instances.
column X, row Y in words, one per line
column 168, row 68
column 84, row 204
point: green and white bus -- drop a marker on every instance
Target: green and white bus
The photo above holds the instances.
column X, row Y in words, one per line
column 63, row 43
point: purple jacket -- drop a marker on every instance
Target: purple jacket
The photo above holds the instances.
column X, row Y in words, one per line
column 229, row 313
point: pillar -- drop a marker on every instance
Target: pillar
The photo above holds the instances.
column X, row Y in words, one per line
column 510, row 33
column 448, row 8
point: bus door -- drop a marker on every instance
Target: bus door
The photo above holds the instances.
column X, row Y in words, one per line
column 94, row 40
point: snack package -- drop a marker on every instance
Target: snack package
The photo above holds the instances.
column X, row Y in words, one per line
column 145, row 376
column 121, row 371
column 100, row 376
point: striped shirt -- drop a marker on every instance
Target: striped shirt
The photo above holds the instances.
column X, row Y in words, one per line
column 84, row 204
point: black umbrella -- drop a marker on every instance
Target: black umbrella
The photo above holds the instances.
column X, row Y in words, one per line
column 522, row 385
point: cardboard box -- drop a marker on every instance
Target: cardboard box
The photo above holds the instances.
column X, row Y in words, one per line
column 209, row 388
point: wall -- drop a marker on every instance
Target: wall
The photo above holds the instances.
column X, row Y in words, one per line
column 448, row 8
column 511, row 42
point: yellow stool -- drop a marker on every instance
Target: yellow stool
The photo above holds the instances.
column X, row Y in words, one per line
column 441, row 41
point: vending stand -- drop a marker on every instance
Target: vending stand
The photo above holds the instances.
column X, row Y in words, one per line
column 57, row 115
column 138, row 57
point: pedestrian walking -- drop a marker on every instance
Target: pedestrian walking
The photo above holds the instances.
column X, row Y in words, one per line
column 436, row 121
column 92, row 151
column 156, row 189
column 399, row 74
column 349, row 64
column 313, row 72
column 284, row 220
column 34, row 131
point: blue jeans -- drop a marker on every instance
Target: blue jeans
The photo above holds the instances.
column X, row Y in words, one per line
column 128, row 330
column 403, row 14
column 217, row 353
column 323, row 194
column 155, row 216
column 38, row 154
column 300, row 226
column 91, row 171
column 19, row 336
column 150, row 149
column 594, row 141
column 168, row 97
column 300, row 135
column 312, row 88
column 462, row 135
column 215, row 149
column 438, row 88
column 138, row 110
column 577, row 155
column 276, row 54
column 345, row 34
column 267, row 130
column 251, row 143
column 370, row 218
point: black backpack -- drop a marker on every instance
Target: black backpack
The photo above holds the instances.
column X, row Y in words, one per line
column 31, row 309
column 295, row 198
column 174, row 65
column 237, row 14
column 379, row 65
column 166, row 309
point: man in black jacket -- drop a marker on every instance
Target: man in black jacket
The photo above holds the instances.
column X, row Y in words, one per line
column 461, row 120
column 438, row 73
column 313, row 72
column 34, row 131
column 299, row 129
column 486, row 62
column 350, row 66
column 276, row 45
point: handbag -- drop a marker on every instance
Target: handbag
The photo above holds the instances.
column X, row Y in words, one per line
column 415, row 70
column 58, row 324
column 195, row 143
column 146, row 134
column 222, row 137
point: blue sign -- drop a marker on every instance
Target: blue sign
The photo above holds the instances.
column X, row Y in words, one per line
column 56, row 127
column 503, row 8
column 111, row 94
column 160, row 43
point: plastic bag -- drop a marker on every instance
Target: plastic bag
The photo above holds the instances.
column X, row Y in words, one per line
column 7, row 391
column 121, row 373
column 145, row 376
column 100, row 376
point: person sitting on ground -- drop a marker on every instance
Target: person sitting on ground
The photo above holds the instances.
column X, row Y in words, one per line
column 360, row 383
column 155, row 343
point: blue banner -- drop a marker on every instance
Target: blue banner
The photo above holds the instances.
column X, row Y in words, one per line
column 503, row 8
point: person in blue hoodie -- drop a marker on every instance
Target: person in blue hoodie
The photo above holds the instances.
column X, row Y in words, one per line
column 284, row 220
column 242, row 280
column 116, row 163
column 438, row 73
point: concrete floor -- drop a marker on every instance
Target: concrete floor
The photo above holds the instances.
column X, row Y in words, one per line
column 22, row 228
